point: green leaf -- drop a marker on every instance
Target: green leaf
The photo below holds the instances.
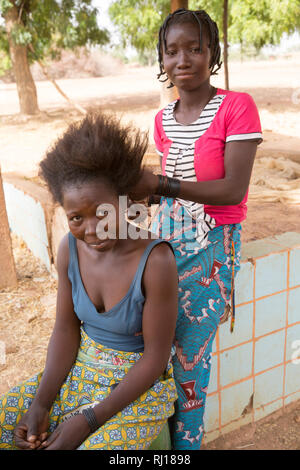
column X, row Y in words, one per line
column 4, row 6
column 52, row 25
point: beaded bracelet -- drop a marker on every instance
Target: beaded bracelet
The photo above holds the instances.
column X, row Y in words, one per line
column 90, row 416
column 169, row 187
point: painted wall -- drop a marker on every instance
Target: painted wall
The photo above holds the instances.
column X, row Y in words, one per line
column 255, row 370
column 26, row 218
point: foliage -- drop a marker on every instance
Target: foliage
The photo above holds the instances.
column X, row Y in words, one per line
column 250, row 22
column 5, row 63
column 254, row 22
column 139, row 22
column 52, row 25
column 4, row 5
column 261, row 22
column 213, row 7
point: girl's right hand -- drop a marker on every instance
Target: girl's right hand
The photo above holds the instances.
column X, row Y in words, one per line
column 146, row 186
column 31, row 430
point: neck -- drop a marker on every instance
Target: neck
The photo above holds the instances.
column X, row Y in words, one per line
column 196, row 98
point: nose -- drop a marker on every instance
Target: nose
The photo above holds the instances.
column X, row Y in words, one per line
column 90, row 227
column 183, row 61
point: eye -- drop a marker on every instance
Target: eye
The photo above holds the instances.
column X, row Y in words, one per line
column 76, row 218
column 170, row 52
column 195, row 50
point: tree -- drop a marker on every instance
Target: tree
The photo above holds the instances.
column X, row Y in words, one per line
column 261, row 22
column 138, row 22
column 8, row 276
column 35, row 30
column 175, row 4
column 225, row 43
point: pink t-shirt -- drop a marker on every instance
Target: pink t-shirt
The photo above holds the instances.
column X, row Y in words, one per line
column 236, row 119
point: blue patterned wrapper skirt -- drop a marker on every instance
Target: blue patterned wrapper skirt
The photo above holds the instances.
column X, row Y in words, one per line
column 205, row 292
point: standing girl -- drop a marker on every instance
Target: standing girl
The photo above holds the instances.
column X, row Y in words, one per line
column 207, row 141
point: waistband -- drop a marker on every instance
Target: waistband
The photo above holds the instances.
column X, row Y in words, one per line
column 97, row 355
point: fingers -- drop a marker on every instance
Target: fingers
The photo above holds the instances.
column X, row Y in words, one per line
column 51, row 439
column 43, row 436
column 32, row 434
column 21, row 438
column 26, row 439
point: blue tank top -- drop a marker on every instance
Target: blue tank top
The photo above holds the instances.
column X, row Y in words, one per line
column 115, row 328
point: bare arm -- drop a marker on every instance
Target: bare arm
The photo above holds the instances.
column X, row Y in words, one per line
column 230, row 190
column 64, row 342
column 62, row 351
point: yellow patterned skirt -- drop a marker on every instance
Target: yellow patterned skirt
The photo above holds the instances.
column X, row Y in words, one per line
column 96, row 371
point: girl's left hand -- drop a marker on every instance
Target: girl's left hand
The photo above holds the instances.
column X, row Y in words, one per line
column 68, row 435
column 145, row 187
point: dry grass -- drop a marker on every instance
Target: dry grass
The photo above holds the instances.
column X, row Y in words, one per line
column 27, row 315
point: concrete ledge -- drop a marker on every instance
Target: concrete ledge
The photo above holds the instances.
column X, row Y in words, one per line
column 256, row 369
column 30, row 211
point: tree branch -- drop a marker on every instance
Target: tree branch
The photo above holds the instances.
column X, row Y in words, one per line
column 20, row 12
column 45, row 72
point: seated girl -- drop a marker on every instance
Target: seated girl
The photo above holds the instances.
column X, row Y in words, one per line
column 108, row 380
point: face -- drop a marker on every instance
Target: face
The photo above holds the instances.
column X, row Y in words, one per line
column 185, row 65
column 87, row 208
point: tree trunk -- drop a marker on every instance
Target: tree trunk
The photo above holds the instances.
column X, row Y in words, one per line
column 8, row 277
column 18, row 54
column 175, row 4
column 225, row 27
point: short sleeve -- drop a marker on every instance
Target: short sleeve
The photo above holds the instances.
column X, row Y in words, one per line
column 242, row 119
column 157, row 134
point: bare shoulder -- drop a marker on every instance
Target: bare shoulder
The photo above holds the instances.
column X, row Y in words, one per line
column 162, row 251
column 161, row 262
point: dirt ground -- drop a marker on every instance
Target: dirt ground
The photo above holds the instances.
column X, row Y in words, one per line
column 27, row 312
column 278, row 431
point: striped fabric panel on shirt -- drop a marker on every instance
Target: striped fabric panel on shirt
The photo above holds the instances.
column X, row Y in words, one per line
column 180, row 160
column 184, row 136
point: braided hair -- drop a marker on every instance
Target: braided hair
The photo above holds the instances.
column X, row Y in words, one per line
column 203, row 20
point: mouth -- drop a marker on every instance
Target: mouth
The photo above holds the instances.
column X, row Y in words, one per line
column 97, row 244
column 185, row 75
